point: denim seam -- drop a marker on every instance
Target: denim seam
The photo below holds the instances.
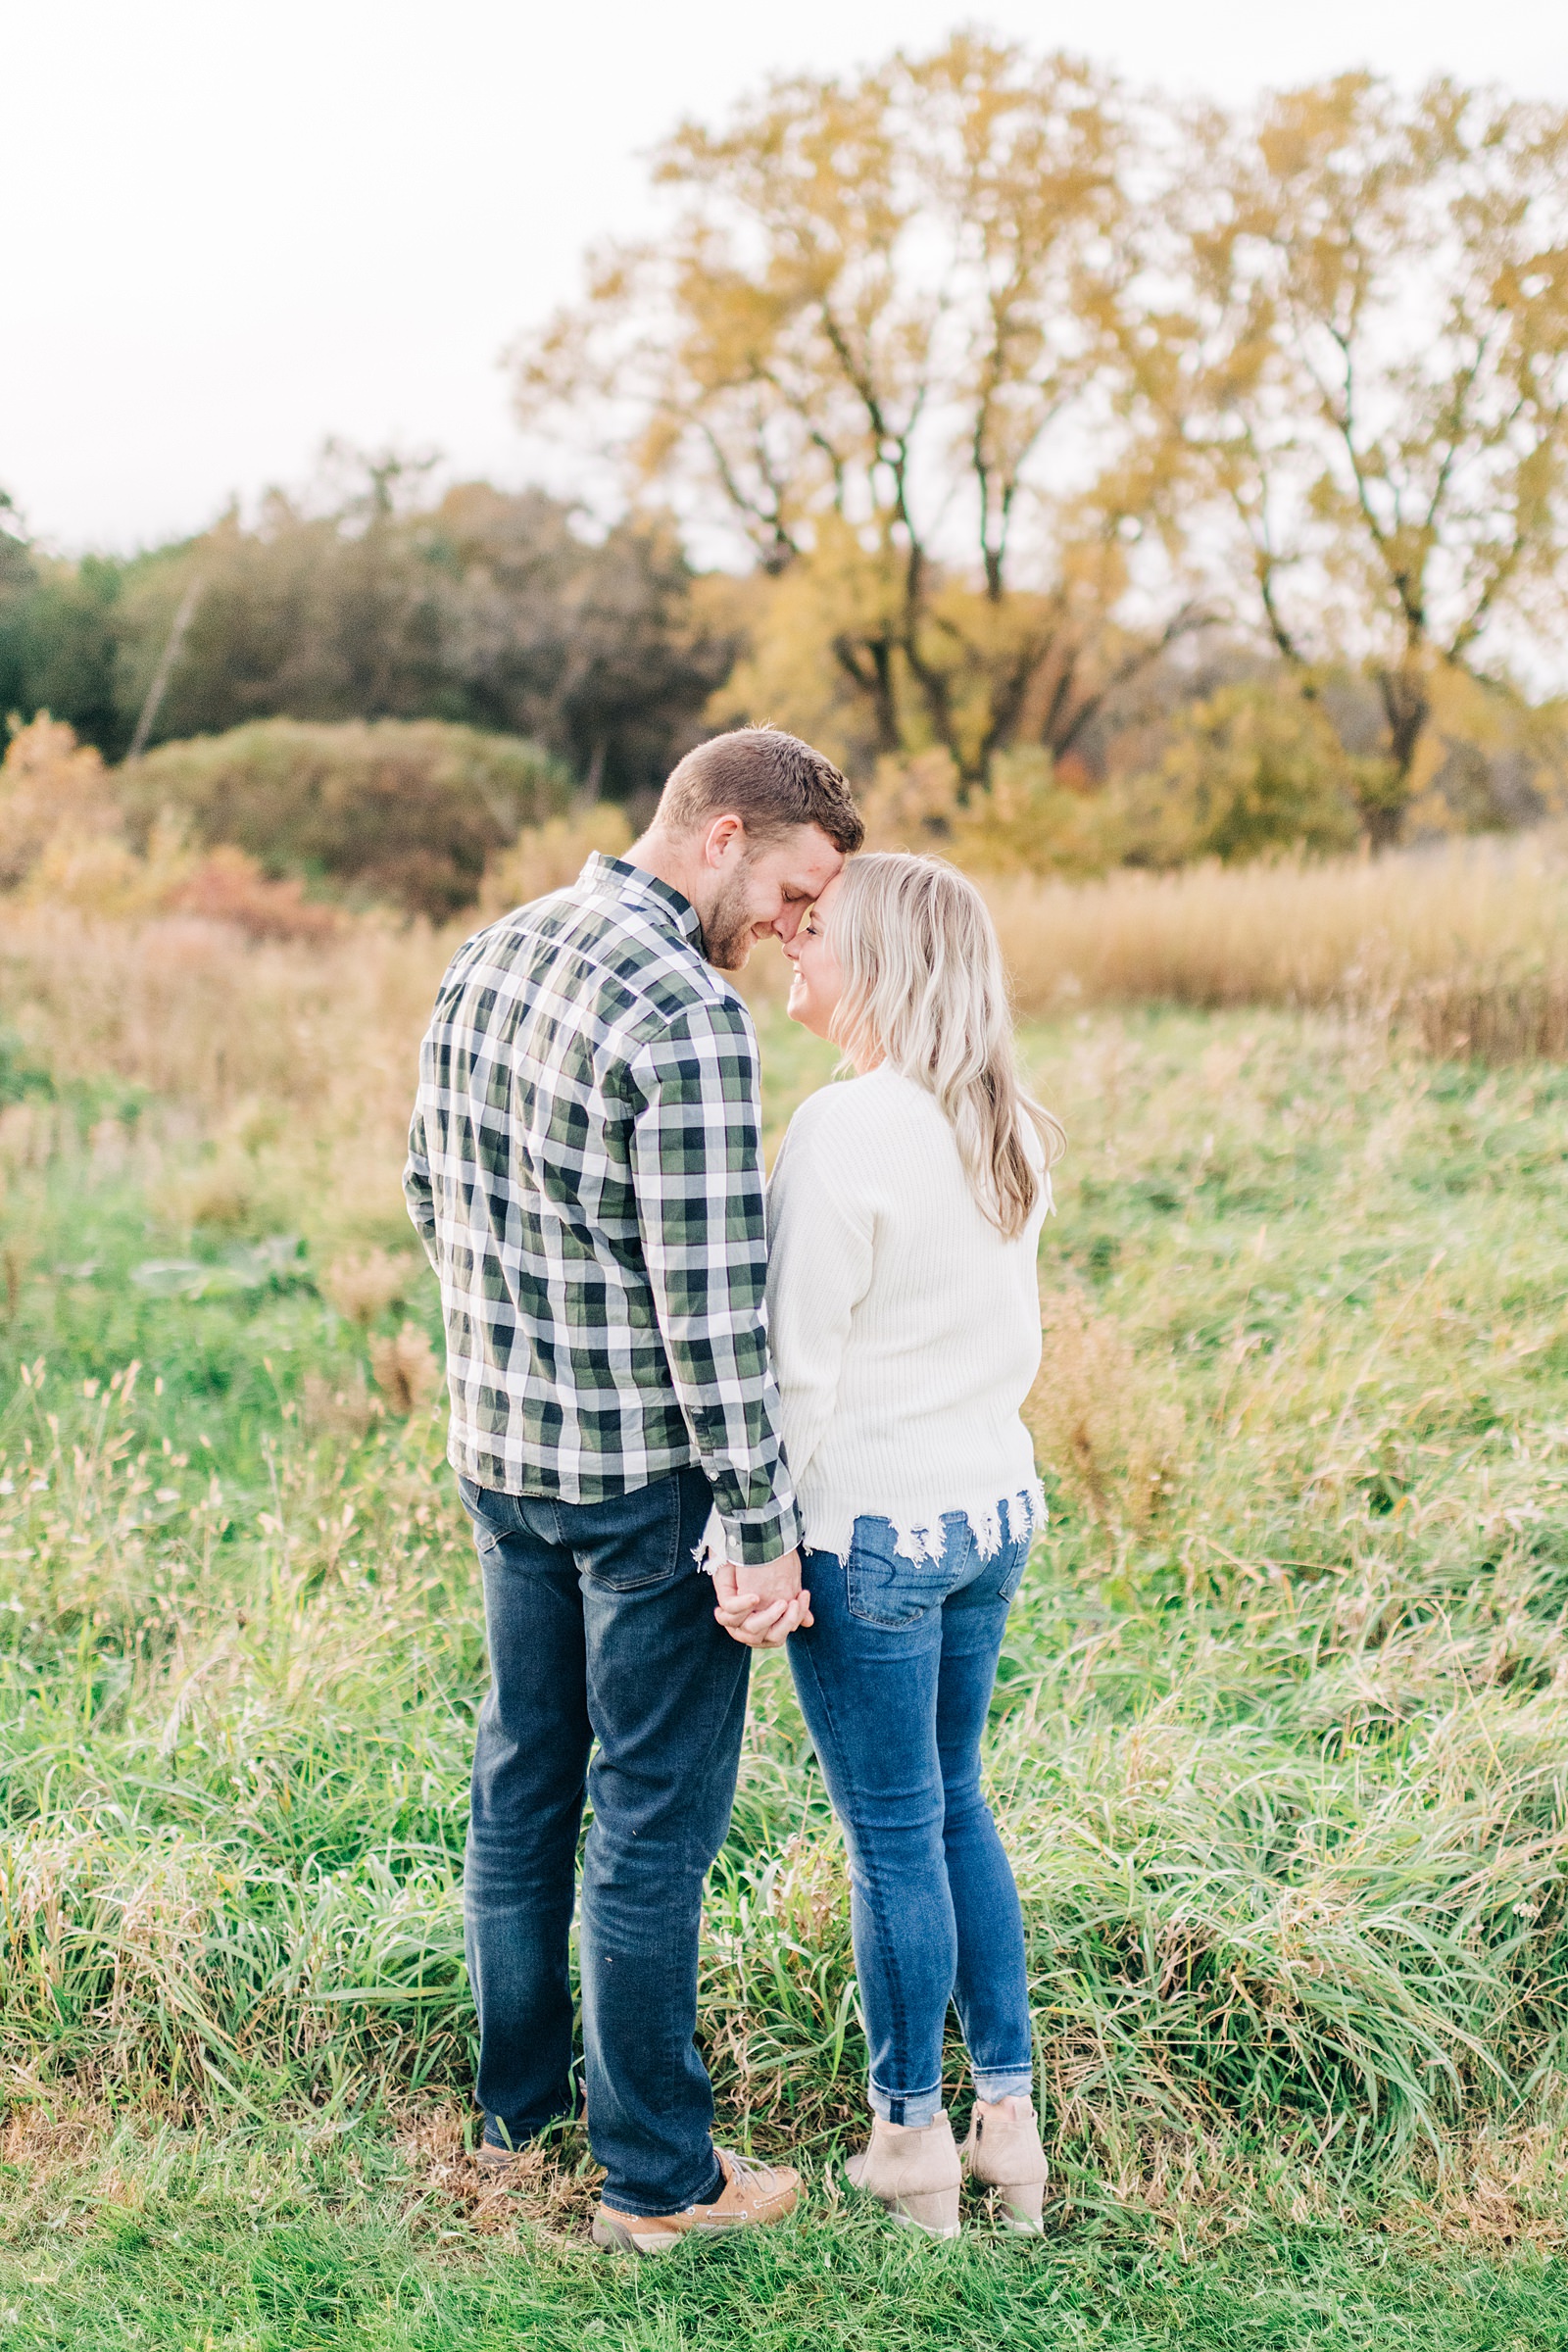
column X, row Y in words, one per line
column 858, row 1868
column 718, row 1715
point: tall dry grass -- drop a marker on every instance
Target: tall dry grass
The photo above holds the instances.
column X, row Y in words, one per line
column 1466, row 948
column 192, row 1009
column 295, row 1060
column 1469, row 944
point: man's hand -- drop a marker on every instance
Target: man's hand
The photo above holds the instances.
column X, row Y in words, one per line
column 761, row 1606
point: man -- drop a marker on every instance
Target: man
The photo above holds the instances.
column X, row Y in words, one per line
column 584, row 1169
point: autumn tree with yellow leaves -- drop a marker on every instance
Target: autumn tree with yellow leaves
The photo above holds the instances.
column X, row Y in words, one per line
column 1358, row 388
column 1007, row 382
column 880, row 343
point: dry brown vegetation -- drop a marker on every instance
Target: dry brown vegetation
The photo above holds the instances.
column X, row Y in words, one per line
column 1464, row 947
column 1468, row 944
column 1094, row 1422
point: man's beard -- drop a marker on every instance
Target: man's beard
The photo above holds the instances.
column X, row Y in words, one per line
column 728, row 935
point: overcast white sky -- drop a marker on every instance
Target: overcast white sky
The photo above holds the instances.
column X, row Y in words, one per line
column 231, row 229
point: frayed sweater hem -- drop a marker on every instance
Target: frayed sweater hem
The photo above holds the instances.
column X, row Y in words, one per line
column 919, row 1535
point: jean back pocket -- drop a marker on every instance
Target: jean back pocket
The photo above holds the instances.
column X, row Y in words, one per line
column 888, row 1586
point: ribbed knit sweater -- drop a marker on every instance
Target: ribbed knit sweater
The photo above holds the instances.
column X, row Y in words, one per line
column 905, row 1330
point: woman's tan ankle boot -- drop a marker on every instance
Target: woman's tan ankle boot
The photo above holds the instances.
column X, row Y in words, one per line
column 914, row 2172
column 1003, row 2152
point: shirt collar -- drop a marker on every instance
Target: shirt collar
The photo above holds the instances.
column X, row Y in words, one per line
column 612, row 877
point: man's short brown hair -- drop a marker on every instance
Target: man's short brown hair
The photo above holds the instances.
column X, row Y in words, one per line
column 771, row 781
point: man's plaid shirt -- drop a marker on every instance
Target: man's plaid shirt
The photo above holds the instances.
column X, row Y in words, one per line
column 585, row 1171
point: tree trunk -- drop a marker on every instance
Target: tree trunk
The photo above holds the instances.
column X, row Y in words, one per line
column 868, row 664
column 1406, row 706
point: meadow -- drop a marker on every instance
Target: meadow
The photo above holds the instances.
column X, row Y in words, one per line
column 1278, row 1743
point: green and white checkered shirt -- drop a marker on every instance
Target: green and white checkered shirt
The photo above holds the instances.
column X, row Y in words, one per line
column 585, row 1171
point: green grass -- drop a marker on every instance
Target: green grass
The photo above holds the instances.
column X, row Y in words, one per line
column 1279, row 1748
column 206, row 2274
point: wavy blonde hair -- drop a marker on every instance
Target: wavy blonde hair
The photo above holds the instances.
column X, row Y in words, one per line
column 925, row 991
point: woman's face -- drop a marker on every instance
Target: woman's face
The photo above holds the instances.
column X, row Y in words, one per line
column 815, row 983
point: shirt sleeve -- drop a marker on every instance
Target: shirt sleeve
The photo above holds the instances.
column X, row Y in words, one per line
column 418, row 1189
column 697, row 1175
column 823, row 1238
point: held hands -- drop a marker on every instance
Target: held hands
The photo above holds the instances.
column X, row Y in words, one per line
column 761, row 1606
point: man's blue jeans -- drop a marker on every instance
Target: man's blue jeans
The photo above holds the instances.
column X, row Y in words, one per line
column 895, row 1680
column 601, row 1629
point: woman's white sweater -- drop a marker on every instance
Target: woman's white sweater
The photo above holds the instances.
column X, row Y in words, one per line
column 905, row 1330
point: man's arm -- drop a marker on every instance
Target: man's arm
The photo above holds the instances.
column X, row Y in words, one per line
column 697, row 1173
column 418, row 1189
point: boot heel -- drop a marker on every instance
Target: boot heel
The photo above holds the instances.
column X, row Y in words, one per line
column 1022, row 2205
column 933, row 2210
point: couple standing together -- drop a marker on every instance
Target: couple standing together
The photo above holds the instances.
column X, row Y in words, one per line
column 638, row 1379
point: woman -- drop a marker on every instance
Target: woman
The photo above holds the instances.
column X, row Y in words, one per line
column 906, row 1212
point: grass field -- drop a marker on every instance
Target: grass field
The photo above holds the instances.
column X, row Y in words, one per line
column 1279, row 1746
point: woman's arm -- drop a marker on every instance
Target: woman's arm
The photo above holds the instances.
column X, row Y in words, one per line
column 822, row 1240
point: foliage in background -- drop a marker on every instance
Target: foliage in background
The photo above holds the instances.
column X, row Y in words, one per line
column 371, row 598
column 234, row 826
column 408, row 811
column 1252, row 767
column 883, row 306
column 1365, row 374
column 1110, row 481
column 1009, row 383
column 1250, row 770
column 546, row 856
column 65, row 843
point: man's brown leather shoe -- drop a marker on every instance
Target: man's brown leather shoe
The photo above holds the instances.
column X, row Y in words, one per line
column 753, row 2195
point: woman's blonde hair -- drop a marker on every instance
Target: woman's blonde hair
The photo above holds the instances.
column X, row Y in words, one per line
column 925, row 991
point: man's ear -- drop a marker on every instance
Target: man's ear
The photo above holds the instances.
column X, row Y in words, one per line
column 721, row 834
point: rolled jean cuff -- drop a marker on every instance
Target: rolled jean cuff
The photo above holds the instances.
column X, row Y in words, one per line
column 1017, row 2084
column 915, row 2109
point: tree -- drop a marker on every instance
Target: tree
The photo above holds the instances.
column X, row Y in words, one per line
column 57, row 635
column 872, row 342
column 370, row 598
column 1368, row 371
column 599, row 649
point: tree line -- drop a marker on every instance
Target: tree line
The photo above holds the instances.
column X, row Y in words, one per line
column 371, row 598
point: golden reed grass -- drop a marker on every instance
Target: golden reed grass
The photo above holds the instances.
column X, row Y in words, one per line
column 1466, row 947
column 1468, row 943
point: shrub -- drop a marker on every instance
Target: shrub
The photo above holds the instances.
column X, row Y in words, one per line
column 49, row 783
column 227, row 886
column 1028, row 821
column 1024, row 821
column 403, row 810
column 63, row 844
column 1253, row 769
column 546, row 858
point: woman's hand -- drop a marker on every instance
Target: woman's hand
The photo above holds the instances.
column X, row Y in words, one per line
column 762, row 1611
